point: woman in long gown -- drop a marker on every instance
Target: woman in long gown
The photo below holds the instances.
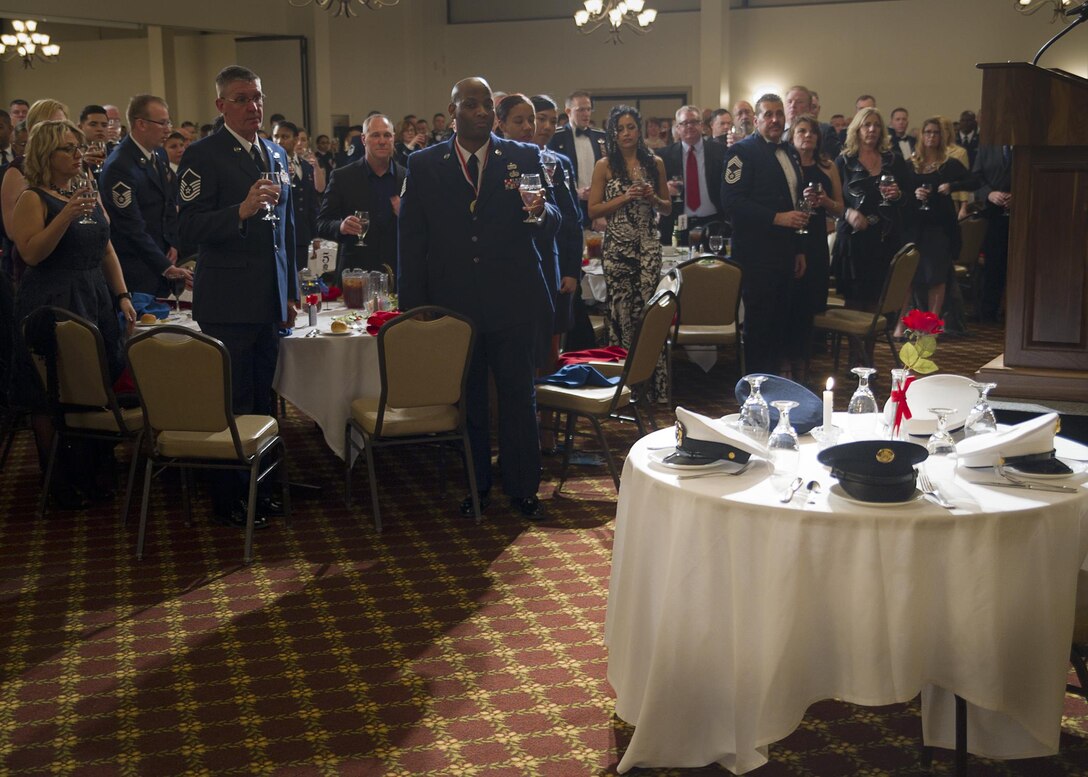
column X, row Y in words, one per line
column 629, row 190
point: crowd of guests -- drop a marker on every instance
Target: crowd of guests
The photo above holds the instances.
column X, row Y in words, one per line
column 96, row 207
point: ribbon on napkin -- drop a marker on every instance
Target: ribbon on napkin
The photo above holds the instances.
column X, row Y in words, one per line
column 899, row 396
column 612, row 353
column 375, row 322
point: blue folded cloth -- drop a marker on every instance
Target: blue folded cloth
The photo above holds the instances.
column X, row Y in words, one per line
column 809, row 412
column 577, row 376
column 146, row 303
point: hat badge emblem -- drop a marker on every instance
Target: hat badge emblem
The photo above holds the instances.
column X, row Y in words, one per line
column 885, row 455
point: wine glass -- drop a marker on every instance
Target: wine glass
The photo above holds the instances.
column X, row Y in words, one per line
column 941, row 464
column 863, row 407
column 886, row 180
column 549, row 161
column 86, row 181
column 364, row 223
column 177, row 288
column 530, row 187
column 678, row 183
column 925, row 203
column 717, row 243
column 805, row 206
column 755, row 416
column 981, row 419
column 785, row 451
column 270, row 208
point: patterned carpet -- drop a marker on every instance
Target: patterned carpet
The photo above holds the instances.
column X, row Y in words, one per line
column 436, row 648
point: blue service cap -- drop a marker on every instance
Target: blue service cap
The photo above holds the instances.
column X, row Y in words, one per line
column 809, row 412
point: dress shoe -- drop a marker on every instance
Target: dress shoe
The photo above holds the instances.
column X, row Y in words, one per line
column 269, row 505
column 466, row 504
column 235, row 517
column 528, row 506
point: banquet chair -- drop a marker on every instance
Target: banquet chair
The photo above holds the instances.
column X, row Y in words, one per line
column 71, row 362
column 1078, row 655
column 423, row 361
column 183, row 379
column 861, row 327
column 709, row 307
column 635, row 374
column 972, row 233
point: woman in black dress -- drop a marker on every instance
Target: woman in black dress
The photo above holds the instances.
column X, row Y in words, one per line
column 70, row 265
column 870, row 232
column 810, row 290
column 934, row 226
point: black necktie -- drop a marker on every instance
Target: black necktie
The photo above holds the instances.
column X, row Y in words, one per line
column 258, row 157
column 474, row 170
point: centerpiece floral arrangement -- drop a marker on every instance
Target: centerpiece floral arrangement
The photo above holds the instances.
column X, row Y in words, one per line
column 922, row 330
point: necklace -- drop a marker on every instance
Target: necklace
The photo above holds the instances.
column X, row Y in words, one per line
column 63, row 192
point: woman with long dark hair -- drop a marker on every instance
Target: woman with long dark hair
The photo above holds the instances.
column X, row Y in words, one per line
column 629, row 190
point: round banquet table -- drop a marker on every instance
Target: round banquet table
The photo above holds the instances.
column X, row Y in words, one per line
column 730, row 613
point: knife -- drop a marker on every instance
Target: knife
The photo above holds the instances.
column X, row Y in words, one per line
column 1029, row 486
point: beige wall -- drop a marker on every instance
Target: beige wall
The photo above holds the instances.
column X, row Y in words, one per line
column 918, row 53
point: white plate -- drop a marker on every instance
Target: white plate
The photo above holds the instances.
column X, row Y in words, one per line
column 1078, row 468
column 658, row 459
column 731, row 419
column 953, row 391
column 142, row 325
column 327, row 333
column 837, row 490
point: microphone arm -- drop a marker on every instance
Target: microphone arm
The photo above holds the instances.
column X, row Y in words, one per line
column 1081, row 12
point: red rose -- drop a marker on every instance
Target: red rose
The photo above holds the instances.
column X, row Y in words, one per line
column 923, row 323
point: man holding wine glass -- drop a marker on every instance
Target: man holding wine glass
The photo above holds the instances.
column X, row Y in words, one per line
column 140, row 200
column 94, row 123
column 694, row 169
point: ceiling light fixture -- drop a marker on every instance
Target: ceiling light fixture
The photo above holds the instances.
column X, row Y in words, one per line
column 343, row 7
column 1063, row 9
column 27, row 43
column 617, row 14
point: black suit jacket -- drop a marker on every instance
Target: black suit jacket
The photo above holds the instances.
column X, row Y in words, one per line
column 349, row 190
column 993, row 173
column 563, row 142
column 675, row 165
column 245, row 272
column 143, row 216
column 479, row 259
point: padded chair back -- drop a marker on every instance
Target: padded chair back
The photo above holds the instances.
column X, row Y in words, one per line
column 649, row 341
column 183, row 379
column 710, row 294
column 972, row 233
column 82, row 373
column 898, row 281
column 424, row 362
column 670, row 281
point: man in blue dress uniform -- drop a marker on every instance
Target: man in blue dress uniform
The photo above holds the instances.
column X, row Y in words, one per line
column 760, row 187
column 464, row 244
column 245, row 287
column 303, row 191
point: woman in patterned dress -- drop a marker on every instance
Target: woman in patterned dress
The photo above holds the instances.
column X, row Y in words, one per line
column 629, row 189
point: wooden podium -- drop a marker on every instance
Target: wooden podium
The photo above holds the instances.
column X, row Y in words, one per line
column 1043, row 114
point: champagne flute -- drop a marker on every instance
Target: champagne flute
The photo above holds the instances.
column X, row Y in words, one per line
column 549, row 162
column 530, row 187
column 270, row 208
column 886, row 180
column 90, row 195
column 364, row 223
column 805, row 207
column 925, row 203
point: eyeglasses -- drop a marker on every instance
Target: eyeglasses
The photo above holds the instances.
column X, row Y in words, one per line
column 71, row 148
column 689, row 123
column 257, row 99
column 160, row 122
column 931, row 132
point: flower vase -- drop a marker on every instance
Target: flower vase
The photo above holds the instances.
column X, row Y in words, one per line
column 891, row 407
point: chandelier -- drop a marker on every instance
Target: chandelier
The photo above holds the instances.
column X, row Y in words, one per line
column 27, row 43
column 1078, row 14
column 343, row 7
column 1059, row 7
column 617, row 14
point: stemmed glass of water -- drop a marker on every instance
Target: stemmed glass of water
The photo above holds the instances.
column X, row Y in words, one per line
column 755, row 416
column 364, row 223
column 981, row 419
column 269, row 207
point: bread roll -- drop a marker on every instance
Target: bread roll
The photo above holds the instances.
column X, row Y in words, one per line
column 339, row 327
column 149, row 318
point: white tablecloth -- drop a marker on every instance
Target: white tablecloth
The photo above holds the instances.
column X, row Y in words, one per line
column 730, row 613
column 321, row 376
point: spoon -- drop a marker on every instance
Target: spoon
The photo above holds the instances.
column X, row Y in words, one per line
column 787, row 495
column 813, row 489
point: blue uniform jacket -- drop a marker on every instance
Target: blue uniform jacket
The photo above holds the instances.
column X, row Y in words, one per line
column 480, row 260
column 245, row 272
column 143, row 216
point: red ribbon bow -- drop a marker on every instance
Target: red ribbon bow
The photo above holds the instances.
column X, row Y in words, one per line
column 311, row 299
column 899, row 396
column 375, row 322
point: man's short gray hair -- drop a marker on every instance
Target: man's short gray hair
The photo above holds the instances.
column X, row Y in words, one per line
column 371, row 117
column 683, row 108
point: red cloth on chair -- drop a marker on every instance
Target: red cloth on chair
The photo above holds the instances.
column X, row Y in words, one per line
column 612, row 353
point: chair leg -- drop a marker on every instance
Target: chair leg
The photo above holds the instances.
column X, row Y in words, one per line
column 49, row 473
column 136, row 448
column 638, row 419
column 285, row 484
column 1077, row 659
column 961, row 737
column 368, row 451
column 251, row 511
column 470, row 468
column 836, row 348
column 349, row 446
column 148, row 469
column 188, row 488
column 568, row 444
column 668, row 371
column 607, row 451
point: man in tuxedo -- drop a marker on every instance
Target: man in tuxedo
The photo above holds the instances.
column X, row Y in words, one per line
column 17, row 109
column 303, row 191
column 721, row 121
column 760, row 188
column 372, row 184
column 464, row 244
column 902, row 143
column 139, row 199
column 581, row 144
column 993, row 171
column 744, row 119
column 967, row 135
column 698, row 163
column 800, row 102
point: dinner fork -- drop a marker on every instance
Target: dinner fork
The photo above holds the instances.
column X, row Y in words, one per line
column 931, row 492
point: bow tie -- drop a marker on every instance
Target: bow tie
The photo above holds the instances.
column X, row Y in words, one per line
column 579, row 132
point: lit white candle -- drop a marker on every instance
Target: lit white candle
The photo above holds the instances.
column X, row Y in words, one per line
column 829, row 397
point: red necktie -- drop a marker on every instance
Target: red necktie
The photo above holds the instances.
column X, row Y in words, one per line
column 691, row 185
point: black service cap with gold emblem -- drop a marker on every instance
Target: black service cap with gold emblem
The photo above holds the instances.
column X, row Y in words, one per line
column 875, row 470
column 703, row 440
